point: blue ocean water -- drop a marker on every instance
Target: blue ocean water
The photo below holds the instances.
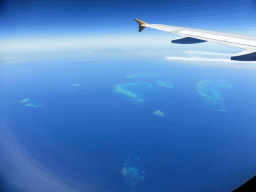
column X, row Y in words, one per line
column 87, row 132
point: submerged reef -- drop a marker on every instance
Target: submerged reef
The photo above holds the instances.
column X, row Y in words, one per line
column 24, row 100
column 143, row 75
column 211, row 92
column 131, row 173
column 133, row 89
column 76, row 85
column 167, row 84
column 33, row 105
column 159, row 113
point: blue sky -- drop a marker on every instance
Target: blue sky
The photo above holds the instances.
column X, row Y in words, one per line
column 51, row 24
column 36, row 18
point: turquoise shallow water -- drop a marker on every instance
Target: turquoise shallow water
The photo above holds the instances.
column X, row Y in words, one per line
column 83, row 135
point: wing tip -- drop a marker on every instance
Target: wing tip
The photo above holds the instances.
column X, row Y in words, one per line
column 141, row 24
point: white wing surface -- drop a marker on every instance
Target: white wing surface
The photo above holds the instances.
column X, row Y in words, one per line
column 191, row 36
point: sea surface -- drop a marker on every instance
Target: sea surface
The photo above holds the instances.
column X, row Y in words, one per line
column 78, row 127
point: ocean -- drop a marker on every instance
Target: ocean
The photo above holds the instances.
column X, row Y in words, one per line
column 83, row 132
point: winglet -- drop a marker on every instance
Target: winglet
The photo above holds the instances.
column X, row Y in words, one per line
column 140, row 24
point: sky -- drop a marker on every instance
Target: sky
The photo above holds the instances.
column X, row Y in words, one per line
column 36, row 26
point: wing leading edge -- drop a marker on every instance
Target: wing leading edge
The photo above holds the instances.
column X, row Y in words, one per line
column 192, row 36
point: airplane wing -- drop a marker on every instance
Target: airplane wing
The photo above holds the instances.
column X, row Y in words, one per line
column 192, row 36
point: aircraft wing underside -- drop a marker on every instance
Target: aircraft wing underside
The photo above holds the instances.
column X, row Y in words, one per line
column 192, row 36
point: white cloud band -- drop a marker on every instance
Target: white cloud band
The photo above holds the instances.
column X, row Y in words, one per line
column 207, row 53
column 216, row 62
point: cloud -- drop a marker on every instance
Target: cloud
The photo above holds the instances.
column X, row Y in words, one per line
column 46, row 43
column 207, row 53
column 216, row 62
column 199, row 59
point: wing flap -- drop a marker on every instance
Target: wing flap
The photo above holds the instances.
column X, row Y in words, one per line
column 245, row 56
column 187, row 40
